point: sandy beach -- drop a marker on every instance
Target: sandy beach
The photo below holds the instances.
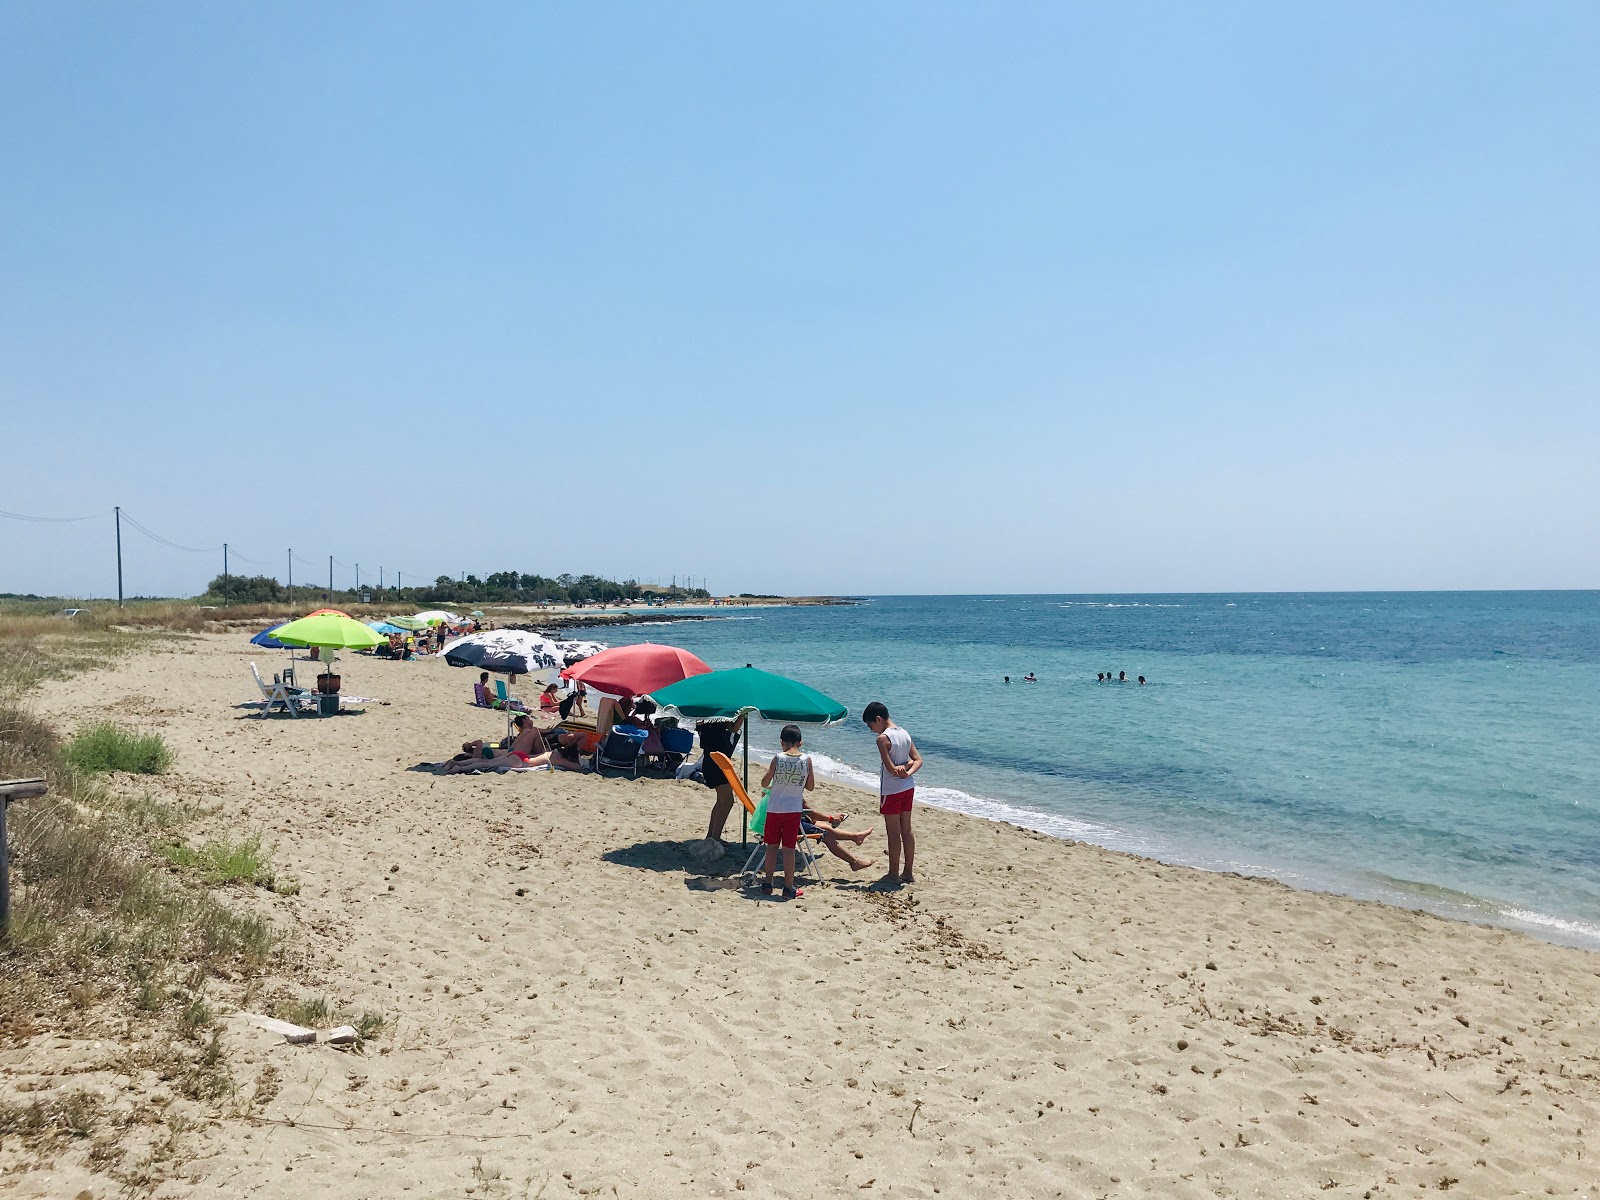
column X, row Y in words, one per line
column 574, row 1005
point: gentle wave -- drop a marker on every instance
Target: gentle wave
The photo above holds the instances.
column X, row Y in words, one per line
column 1055, row 825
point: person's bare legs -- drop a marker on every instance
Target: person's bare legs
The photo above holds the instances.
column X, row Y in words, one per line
column 908, row 842
column 719, row 812
column 830, row 839
column 891, row 835
column 772, row 862
column 788, row 868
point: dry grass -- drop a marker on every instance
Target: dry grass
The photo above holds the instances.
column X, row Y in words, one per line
column 107, row 941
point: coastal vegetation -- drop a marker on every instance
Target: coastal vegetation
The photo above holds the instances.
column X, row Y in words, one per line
column 501, row 587
column 109, row 943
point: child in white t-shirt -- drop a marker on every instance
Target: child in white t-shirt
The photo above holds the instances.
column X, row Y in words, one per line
column 789, row 777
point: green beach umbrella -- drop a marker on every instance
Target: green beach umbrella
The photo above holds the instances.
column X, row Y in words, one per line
column 743, row 690
column 335, row 632
column 409, row 624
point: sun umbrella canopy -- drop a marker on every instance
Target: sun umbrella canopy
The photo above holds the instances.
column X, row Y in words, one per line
column 322, row 612
column 572, row 653
column 384, row 627
column 509, row 650
column 436, row 615
column 265, row 638
column 729, row 693
column 407, row 624
column 338, row 633
column 636, row 669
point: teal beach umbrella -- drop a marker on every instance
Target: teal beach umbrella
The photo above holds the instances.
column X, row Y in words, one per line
column 744, row 690
column 747, row 690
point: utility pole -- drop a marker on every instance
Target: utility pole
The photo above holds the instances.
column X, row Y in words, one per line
column 291, row 577
column 397, row 581
column 224, row 574
column 358, row 579
column 330, row 576
column 118, row 511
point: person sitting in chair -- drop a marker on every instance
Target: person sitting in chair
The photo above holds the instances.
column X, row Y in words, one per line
column 549, row 702
column 482, row 696
column 827, row 824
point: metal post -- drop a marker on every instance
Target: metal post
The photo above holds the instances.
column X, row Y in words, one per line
column 330, row 577
column 224, row 574
column 358, row 579
column 118, row 511
column 291, row 577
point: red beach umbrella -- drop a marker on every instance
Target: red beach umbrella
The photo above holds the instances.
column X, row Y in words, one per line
column 638, row 670
column 330, row 611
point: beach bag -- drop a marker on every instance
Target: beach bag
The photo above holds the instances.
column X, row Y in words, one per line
column 758, row 823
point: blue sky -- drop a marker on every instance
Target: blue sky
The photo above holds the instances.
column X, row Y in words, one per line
column 806, row 298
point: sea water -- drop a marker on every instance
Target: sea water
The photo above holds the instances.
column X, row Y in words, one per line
column 1430, row 750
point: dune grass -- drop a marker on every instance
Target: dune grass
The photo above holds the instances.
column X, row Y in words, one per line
column 103, row 746
column 220, row 861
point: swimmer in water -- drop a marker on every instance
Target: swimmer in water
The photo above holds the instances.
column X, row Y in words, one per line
column 1122, row 677
column 1008, row 679
column 1141, row 681
column 1028, row 678
column 1099, row 676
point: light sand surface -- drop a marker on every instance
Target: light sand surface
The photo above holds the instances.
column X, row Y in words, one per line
column 576, row 1007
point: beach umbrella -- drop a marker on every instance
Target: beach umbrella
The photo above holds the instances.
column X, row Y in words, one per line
column 636, row 669
column 407, row 624
column 322, row 612
column 573, row 653
column 384, row 627
column 475, row 613
column 435, row 615
column 265, row 638
column 512, row 651
column 337, row 633
column 745, row 690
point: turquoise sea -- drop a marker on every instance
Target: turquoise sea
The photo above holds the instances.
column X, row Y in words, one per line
column 1430, row 750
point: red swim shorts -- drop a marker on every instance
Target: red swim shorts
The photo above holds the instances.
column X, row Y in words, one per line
column 782, row 829
column 896, row 802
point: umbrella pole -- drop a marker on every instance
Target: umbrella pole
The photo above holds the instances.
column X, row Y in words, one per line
column 744, row 817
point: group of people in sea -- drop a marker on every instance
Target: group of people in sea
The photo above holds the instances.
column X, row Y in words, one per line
column 1100, row 677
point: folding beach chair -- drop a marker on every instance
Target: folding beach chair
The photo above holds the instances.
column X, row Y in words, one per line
column 618, row 755
column 292, row 698
column 805, row 859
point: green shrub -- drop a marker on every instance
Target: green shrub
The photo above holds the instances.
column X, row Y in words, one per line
column 223, row 861
column 104, row 747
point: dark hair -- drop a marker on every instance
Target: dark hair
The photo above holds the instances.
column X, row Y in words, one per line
column 644, row 707
column 872, row 712
column 483, row 677
column 789, row 735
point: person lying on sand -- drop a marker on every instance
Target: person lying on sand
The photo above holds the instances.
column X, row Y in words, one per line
column 526, row 745
column 827, row 824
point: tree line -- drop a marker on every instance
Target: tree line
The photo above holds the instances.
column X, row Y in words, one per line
column 503, row 587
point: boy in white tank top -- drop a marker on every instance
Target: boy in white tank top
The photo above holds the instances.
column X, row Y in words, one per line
column 789, row 776
column 896, row 791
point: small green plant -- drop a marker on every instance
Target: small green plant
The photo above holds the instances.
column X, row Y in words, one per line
column 368, row 1025
column 104, row 747
column 195, row 1015
column 221, row 861
column 312, row 1012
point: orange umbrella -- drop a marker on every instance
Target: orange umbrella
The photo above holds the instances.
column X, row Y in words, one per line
column 333, row 611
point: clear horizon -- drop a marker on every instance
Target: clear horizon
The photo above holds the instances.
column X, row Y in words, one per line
column 913, row 299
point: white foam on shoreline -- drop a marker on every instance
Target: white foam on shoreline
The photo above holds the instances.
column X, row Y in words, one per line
column 955, row 800
column 1550, row 928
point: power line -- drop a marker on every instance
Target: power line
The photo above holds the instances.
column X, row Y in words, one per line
column 11, row 516
column 156, row 537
